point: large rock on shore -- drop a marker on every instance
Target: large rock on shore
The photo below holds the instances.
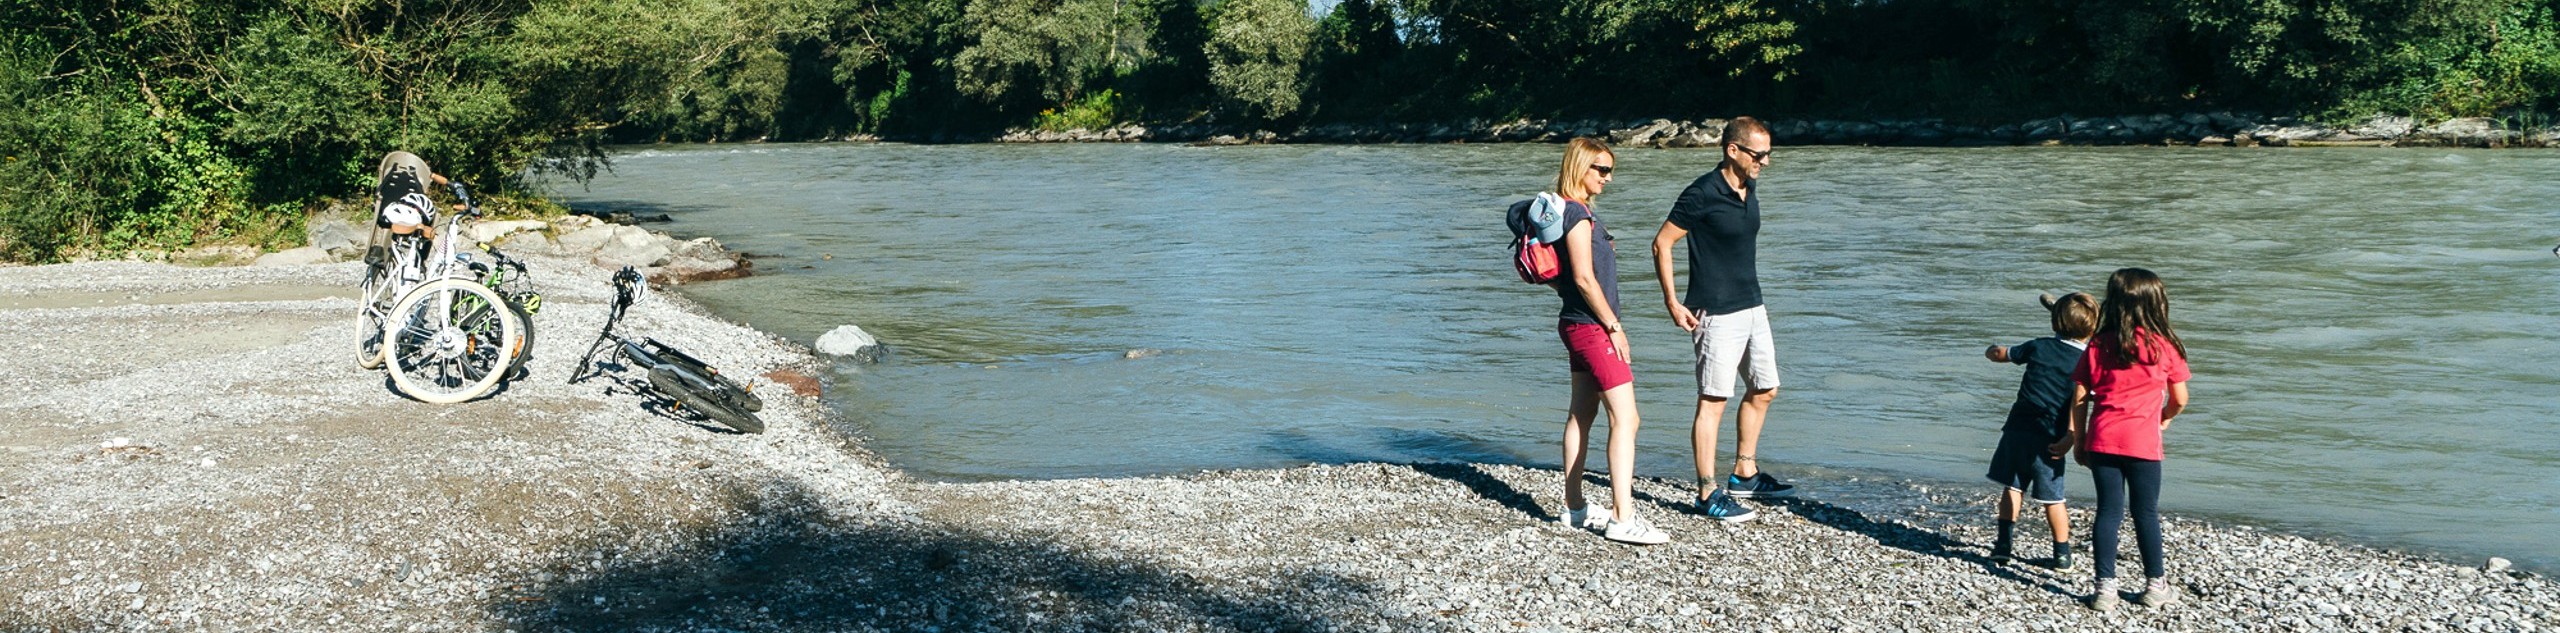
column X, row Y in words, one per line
column 493, row 231
column 338, row 237
column 586, row 239
column 1644, row 135
column 850, row 341
column 632, row 246
column 2463, row 132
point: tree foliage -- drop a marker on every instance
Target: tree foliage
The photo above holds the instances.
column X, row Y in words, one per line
column 1257, row 53
column 136, row 125
column 1046, row 49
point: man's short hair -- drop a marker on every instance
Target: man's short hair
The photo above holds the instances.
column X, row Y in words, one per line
column 1737, row 127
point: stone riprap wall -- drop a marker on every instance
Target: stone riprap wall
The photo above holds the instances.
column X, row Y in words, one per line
column 2212, row 129
column 661, row 257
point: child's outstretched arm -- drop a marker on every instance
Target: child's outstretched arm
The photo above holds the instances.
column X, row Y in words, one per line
column 1996, row 353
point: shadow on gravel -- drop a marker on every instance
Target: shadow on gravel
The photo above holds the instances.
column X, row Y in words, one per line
column 1492, row 488
column 1913, row 540
column 1383, row 445
column 796, row 570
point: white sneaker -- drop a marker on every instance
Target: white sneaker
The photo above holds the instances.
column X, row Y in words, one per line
column 1636, row 532
column 1586, row 519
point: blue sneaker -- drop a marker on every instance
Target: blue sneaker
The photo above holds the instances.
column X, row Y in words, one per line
column 1722, row 507
column 1760, row 486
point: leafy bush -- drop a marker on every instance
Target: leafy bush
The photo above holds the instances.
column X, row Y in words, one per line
column 1095, row 111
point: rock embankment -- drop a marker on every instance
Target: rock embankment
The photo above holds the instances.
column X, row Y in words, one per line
column 195, row 449
column 664, row 258
column 2199, row 128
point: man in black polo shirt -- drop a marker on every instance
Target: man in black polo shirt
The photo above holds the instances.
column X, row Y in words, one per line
column 1719, row 215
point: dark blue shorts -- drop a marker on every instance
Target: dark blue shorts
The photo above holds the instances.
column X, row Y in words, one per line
column 2021, row 463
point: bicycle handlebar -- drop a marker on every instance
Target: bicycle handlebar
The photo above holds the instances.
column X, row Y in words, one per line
column 469, row 206
column 627, row 289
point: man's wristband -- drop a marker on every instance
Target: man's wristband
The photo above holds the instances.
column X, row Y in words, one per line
column 1613, row 328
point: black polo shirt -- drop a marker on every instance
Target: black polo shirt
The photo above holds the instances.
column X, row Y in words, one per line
column 1724, row 237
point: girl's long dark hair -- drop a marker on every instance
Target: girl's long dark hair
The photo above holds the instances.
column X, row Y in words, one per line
column 2136, row 300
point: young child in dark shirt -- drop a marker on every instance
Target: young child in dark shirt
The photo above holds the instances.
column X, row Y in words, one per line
column 2029, row 459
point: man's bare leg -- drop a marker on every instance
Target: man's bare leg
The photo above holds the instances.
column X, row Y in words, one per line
column 1702, row 440
column 1746, row 441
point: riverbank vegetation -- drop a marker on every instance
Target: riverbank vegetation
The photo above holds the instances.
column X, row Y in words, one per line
column 130, row 126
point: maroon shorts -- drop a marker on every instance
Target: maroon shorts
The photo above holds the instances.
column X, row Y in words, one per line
column 1588, row 350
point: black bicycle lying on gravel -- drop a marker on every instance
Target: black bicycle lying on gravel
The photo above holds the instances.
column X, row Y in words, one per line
column 679, row 377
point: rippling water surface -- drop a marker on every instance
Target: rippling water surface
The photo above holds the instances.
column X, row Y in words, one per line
column 2373, row 332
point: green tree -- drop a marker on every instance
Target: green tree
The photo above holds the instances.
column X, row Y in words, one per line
column 1355, row 59
column 1172, row 79
column 1050, row 50
column 1257, row 51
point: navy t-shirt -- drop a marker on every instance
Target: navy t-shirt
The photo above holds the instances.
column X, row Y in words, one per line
column 1724, row 237
column 2046, row 388
column 1604, row 265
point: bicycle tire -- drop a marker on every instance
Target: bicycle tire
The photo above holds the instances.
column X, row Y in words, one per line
column 523, row 352
column 734, row 393
column 373, row 301
column 447, row 341
column 666, row 381
column 739, row 394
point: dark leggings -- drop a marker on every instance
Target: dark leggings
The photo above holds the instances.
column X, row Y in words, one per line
column 2114, row 475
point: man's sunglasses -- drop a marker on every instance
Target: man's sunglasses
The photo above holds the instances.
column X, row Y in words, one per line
column 1761, row 156
column 1603, row 169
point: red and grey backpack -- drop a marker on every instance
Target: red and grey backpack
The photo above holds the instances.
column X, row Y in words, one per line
column 1536, row 224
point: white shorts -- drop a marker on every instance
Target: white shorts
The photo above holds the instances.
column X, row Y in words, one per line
column 1730, row 343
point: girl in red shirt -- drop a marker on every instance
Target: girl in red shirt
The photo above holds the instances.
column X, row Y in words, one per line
column 2129, row 385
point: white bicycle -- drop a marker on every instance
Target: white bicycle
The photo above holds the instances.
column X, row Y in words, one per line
column 431, row 315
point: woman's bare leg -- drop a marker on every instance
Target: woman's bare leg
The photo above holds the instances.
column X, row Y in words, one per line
column 1577, row 435
column 1622, row 449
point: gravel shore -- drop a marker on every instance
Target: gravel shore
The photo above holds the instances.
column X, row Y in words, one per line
column 195, row 449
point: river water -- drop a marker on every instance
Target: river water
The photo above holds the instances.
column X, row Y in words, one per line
column 2375, row 334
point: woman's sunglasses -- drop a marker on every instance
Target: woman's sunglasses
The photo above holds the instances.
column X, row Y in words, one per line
column 1603, row 169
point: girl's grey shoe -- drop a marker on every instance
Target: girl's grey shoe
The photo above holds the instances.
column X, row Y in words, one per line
column 2159, row 594
column 2106, row 600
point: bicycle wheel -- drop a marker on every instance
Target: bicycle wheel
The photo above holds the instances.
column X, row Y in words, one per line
column 449, row 341
column 738, row 394
column 373, row 300
column 523, row 352
column 668, row 382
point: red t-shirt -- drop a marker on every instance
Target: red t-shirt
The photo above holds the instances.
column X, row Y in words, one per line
column 2127, row 419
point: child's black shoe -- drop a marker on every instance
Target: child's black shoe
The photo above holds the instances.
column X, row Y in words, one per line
column 2000, row 548
column 2062, row 555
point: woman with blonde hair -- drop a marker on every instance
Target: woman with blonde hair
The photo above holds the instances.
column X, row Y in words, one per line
column 1595, row 347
